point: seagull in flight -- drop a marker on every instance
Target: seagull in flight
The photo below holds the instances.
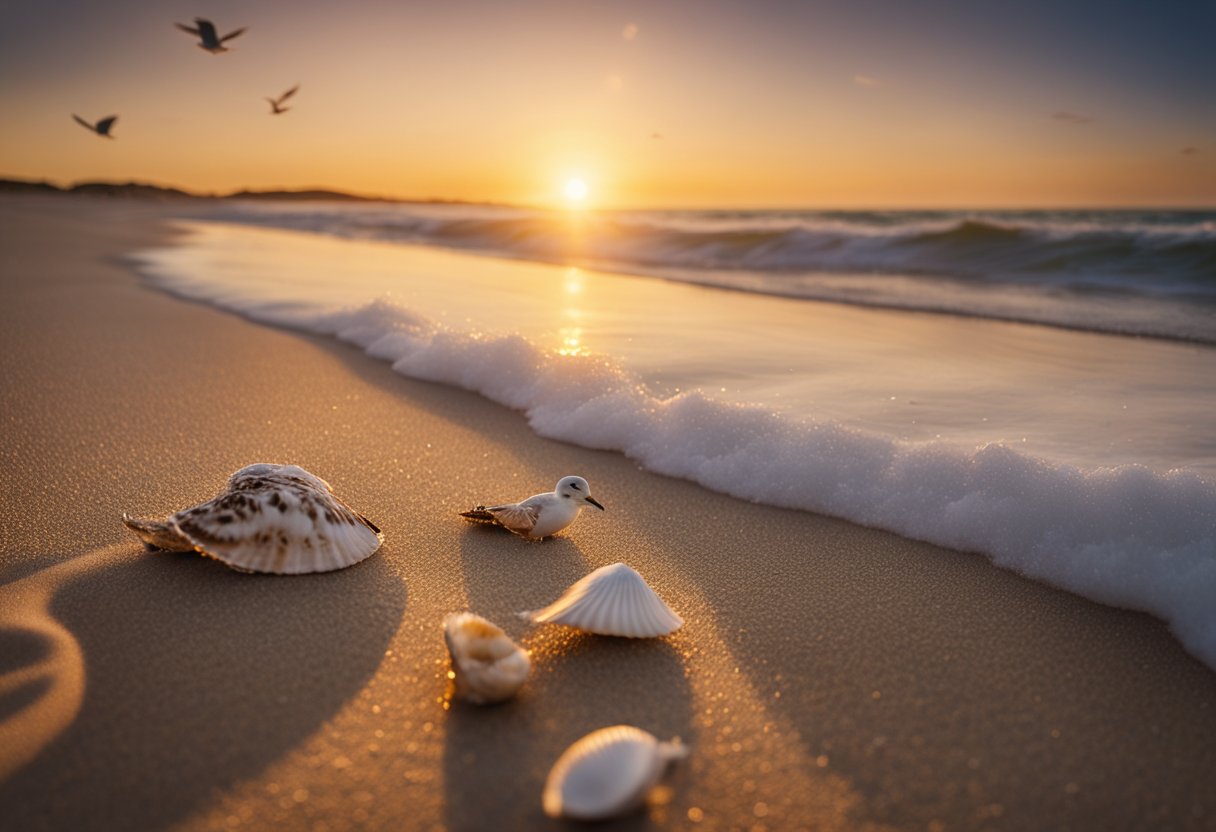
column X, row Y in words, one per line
column 542, row 514
column 208, row 39
column 101, row 128
column 276, row 104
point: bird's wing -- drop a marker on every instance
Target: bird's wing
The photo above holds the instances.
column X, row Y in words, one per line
column 518, row 518
column 83, row 123
column 189, row 30
column 103, row 126
column 232, row 35
column 206, row 30
column 289, row 93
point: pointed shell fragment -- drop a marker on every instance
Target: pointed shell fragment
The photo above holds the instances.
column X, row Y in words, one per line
column 487, row 666
column 611, row 601
column 271, row 518
column 607, row 773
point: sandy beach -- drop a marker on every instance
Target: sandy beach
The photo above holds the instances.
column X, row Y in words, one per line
column 829, row 676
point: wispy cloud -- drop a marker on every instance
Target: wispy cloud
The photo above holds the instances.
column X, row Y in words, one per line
column 630, row 31
column 1071, row 118
column 1189, row 151
column 866, row 81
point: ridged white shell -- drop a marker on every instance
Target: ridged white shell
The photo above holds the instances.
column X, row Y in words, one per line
column 607, row 773
column 270, row 518
column 611, row 601
column 488, row 667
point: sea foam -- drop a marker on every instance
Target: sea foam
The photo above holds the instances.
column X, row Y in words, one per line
column 1125, row 536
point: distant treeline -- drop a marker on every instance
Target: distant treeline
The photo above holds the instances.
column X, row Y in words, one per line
column 145, row 191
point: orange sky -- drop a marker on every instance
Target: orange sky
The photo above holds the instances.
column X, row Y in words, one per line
column 681, row 104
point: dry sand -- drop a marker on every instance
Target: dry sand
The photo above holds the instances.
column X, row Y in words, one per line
column 829, row 676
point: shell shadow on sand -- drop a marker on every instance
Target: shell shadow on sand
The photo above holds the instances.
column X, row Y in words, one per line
column 579, row 683
column 181, row 661
column 891, row 657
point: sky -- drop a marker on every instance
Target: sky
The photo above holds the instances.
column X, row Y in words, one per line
column 665, row 103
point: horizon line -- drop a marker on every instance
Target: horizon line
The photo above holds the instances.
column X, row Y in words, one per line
column 302, row 193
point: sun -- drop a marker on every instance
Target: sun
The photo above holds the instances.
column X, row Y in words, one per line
column 575, row 190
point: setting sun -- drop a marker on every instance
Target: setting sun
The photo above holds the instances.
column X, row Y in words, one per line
column 575, row 190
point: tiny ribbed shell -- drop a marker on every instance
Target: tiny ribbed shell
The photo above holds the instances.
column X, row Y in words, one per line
column 611, row 601
column 607, row 773
column 487, row 665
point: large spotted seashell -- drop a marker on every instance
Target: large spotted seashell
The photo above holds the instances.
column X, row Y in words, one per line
column 611, row 601
column 607, row 773
column 271, row 518
column 487, row 666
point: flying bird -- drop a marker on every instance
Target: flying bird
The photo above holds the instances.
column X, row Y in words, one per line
column 208, row 39
column 101, row 128
column 276, row 104
column 542, row 514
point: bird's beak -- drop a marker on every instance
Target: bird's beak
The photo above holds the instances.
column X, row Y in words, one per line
column 594, row 502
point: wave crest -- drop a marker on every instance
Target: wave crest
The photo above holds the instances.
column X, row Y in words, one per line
column 1135, row 273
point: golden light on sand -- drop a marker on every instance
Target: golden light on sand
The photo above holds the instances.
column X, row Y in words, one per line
column 575, row 190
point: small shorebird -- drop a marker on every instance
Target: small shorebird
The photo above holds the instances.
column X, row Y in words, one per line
column 276, row 104
column 101, row 128
column 542, row 514
column 209, row 39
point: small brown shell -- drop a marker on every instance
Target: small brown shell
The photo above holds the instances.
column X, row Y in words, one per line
column 487, row 666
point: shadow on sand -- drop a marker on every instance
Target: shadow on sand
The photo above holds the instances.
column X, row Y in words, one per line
column 195, row 677
column 579, row 683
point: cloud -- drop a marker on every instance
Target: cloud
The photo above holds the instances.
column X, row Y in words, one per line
column 630, row 31
column 1071, row 118
column 865, row 81
column 1189, row 151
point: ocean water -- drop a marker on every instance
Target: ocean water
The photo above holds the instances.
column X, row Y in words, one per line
column 1057, row 420
column 1131, row 272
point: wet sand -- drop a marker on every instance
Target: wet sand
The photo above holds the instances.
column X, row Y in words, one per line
column 829, row 676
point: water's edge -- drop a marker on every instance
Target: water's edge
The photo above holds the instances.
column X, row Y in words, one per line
column 1126, row 536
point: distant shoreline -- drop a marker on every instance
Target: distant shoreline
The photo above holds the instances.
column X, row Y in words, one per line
column 145, row 190
column 135, row 189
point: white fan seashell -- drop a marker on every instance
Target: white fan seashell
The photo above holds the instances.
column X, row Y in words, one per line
column 270, row 518
column 487, row 666
column 611, row 601
column 607, row 773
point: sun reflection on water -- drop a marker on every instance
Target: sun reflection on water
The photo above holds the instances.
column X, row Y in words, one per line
column 571, row 337
column 571, row 341
column 574, row 280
